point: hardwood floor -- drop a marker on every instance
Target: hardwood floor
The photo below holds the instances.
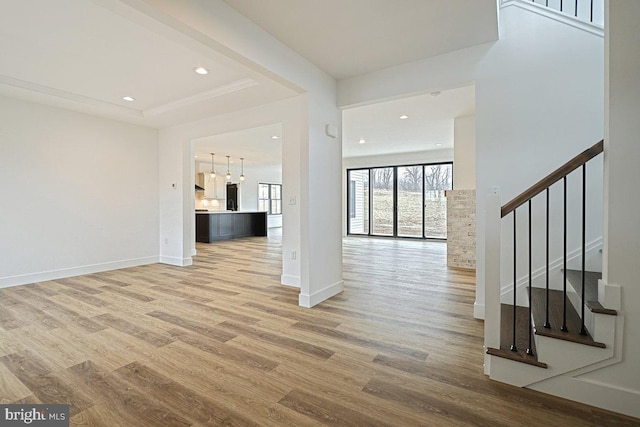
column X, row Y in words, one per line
column 222, row 343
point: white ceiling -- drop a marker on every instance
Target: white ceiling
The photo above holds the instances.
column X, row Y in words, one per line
column 256, row 145
column 85, row 55
column 430, row 123
column 352, row 37
column 78, row 54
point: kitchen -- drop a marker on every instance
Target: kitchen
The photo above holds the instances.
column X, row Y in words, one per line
column 231, row 172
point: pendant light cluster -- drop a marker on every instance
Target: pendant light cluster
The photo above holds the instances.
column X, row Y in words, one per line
column 212, row 174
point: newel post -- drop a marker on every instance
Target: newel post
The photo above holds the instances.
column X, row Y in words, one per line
column 492, row 276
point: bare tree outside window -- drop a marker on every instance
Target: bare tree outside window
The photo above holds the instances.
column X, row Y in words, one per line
column 412, row 178
column 382, row 201
column 384, row 178
column 416, row 208
column 437, row 179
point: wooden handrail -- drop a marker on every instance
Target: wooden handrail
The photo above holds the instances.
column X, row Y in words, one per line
column 552, row 178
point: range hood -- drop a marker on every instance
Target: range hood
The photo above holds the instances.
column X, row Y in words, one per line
column 199, row 182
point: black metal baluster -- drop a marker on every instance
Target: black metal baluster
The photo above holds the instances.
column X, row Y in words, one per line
column 560, row 5
column 564, row 261
column 591, row 10
column 546, row 322
column 576, row 11
column 547, row 3
column 530, row 347
column 583, row 330
column 513, row 344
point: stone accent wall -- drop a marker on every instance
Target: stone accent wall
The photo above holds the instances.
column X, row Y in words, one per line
column 461, row 228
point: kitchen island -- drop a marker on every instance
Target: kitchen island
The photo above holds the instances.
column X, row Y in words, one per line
column 212, row 226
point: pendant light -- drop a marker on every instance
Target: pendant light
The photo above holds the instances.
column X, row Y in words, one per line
column 213, row 171
column 242, row 170
column 228, row 173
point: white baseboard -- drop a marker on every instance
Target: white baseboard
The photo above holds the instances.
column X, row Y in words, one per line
column 317, row 297
column 44, row 276
column 606, row 396
column 178, row 262
column 478, row 311
column 293, row 281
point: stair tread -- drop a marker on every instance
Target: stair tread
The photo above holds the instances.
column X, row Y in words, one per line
column 555, row 318
column 590, row 289
column 522, row 337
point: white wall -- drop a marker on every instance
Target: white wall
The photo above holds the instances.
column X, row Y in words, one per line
column 622, row 173
column 79, row 193
column 539, row 102
column 464, row 153
column 398, row 159
column 452, row 70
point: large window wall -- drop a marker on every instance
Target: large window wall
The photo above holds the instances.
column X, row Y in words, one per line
column 399, row 201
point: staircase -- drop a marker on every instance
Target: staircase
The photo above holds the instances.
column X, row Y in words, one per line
column 563, row 321
column 587, row 15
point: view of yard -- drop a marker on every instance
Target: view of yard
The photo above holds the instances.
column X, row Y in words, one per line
column 410, row 183
column 410, row 213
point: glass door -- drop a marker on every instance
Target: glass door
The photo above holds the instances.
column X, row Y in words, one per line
column 437, row 179
column 399, row 201
column 382, row 206
column 410, row 193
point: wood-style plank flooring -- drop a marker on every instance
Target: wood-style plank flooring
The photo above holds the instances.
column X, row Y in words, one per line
column 223, row 343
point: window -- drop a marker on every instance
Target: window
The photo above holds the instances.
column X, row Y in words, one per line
column 402, row 201
column 358, row 193
column 352, row 199
column 270, row 198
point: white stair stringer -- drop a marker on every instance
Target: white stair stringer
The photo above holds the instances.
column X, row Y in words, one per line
column 560, row 356
column 576, row 385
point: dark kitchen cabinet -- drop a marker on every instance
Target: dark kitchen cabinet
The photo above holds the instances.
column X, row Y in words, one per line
column 211, row 227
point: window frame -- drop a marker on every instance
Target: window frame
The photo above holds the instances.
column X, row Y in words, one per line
column 270, row 200
column 395, row 201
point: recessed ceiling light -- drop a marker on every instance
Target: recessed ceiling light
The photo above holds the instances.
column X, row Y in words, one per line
column 275, row 137
column 201, row 70
column 362, row 141
column 404, row 117
column 128, row 98
column 438, row 145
